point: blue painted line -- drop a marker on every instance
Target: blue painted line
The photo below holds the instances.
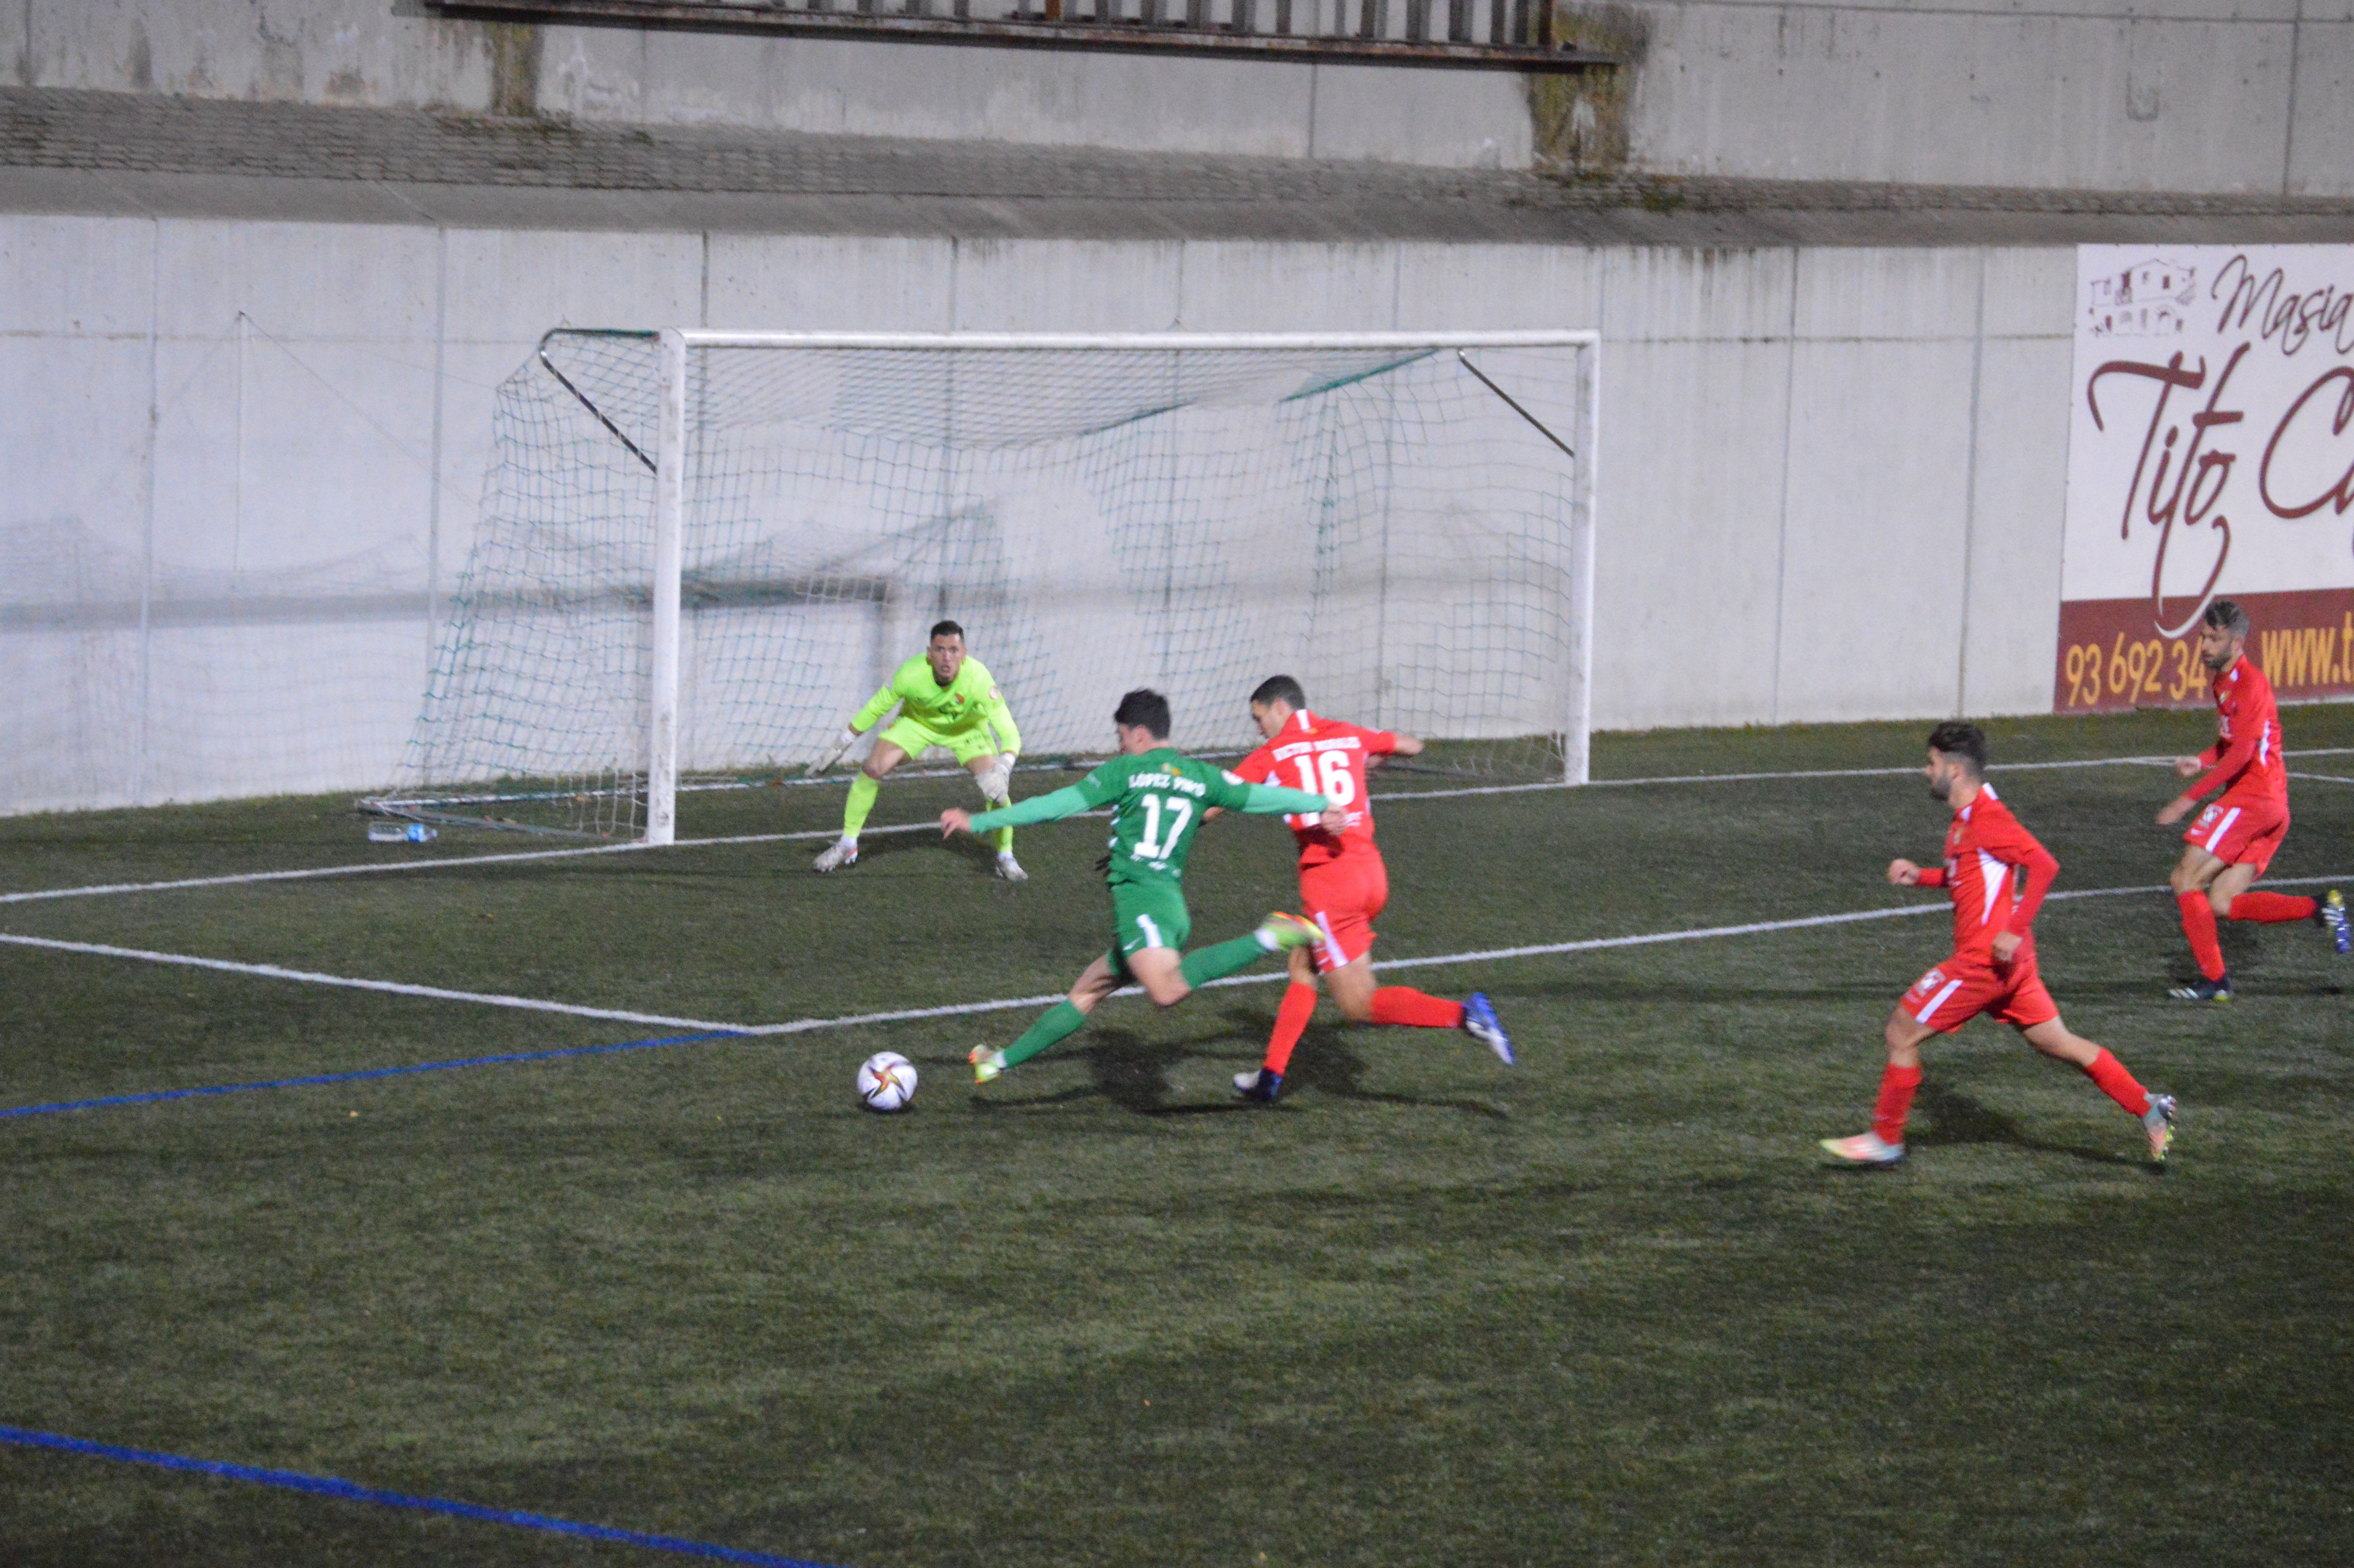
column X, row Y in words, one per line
column 158, row 1096
column 352, row 1491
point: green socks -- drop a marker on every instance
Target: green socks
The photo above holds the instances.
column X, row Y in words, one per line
column 863, row 791
column 1057, row 1023
column 1203, row 965
column 1005, row 840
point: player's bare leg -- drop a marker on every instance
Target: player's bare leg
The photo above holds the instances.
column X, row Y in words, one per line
column 1352, row 989
column 863, row 787
column 994, row 774
column 2155, row 1112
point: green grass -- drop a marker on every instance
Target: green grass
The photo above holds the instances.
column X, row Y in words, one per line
column 1604, row 1307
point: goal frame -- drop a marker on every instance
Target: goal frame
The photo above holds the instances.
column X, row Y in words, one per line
column 677, row 343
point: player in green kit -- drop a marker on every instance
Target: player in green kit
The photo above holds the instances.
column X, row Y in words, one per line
column 945, row 698
column 1157, row 795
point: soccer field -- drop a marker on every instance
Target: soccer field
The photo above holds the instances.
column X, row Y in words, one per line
column 1606, row 1306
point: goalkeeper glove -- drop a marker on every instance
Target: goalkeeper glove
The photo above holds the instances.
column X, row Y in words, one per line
column 997, row 780
column 841, row 748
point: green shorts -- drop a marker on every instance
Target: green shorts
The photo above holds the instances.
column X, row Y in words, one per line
column 964, row 745
column 1147, row 914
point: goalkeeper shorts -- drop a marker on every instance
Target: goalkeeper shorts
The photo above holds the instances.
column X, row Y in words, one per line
column 1147, row 914
column 915, row 739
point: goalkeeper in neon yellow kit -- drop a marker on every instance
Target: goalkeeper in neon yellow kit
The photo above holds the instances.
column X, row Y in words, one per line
column 945, row 698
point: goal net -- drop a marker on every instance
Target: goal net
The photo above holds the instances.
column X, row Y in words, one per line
column 700, row 552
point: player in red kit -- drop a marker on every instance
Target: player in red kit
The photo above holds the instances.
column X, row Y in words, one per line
column 2236, row 835
column 1997, row 875
column 1343, row 885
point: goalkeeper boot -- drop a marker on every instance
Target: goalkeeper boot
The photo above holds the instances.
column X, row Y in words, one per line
column 843, row 852
column 2158, row 1122
column 1280, row 932
column 1865, row 1148
column 987, row 1062
column 1009, row 868
column 1258, row 1084
column 2331, row 917
column 1480, row 1023
column 2203, row 990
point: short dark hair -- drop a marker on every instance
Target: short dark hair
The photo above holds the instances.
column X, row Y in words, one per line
column 1279, row 689
column 2226, row 616
column 1145, row 708
column 948, row 628
column 1955, row 739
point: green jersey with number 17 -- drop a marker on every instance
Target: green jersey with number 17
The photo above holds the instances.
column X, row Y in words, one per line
column 1156, row 801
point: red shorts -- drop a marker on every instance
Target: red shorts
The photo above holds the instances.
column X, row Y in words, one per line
column 1343, row 897
column 1969, row 984
column 2240, row 829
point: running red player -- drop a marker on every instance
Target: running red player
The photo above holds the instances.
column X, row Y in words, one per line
column 1343, row 885
column 2237, row 834
column 1997, row 875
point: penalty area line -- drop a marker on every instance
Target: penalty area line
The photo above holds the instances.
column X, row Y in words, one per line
column 353, row 1491
column 519, row 857
column 715, row 1033
column 349, row 982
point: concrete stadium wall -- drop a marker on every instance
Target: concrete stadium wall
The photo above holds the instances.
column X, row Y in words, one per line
column 1831, row 480
column 2244, row 96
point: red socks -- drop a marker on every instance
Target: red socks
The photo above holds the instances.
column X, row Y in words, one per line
column 1291, row 1018
column 1416, row 1010
column 2271, row 908
column 2199, row 925
column 1392, row 1004
column 1895, row 1103
column 2117, row 1084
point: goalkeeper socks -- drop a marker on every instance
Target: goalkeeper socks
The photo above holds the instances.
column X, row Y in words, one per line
column 2270, row 908
column 1290, row 1021
column 1205, row 964
column 1005, row 840
column 1057, row 1023
column 1415, row 1009
column 2117, row 1084
column 1895, row 1103
column 2199, row 925
column 863, row 791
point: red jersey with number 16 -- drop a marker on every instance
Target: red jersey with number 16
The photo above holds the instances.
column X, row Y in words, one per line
column 2246, row 756
column 1327, row 758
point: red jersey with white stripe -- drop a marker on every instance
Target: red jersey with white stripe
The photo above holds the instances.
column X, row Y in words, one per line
column 1328, row 758
column 1995, row 872
column 2246, row 756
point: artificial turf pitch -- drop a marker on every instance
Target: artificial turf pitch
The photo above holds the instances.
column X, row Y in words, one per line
column 1605, row 1307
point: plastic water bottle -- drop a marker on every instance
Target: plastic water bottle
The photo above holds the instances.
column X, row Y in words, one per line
column 386, row 830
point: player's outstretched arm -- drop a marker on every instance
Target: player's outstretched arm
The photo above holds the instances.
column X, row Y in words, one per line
column 1051, row 806
column 1902, row 872
column 860, row 723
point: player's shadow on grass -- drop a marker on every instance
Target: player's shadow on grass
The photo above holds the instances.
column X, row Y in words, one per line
column 1956, row 1118
column 1133, row 1074
column 1326, row 1062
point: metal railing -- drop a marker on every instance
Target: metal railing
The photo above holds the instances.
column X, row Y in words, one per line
column 1492, row 35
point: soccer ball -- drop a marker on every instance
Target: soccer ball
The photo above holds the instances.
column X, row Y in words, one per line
column 886, row 1081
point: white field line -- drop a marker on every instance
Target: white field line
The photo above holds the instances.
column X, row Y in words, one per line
column 397, row 988
column 2323, row 777
column 1000, row 1004
column 521, row 856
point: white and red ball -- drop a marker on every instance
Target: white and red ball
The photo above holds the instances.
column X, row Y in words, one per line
column 887, row 1082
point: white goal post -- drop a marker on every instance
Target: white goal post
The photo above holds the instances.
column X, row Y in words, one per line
column 1439, row 486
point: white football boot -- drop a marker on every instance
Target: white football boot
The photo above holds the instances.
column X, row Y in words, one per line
column 844, row 851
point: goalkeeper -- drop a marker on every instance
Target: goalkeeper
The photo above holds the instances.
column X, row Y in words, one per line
column 945, row 698
column 1157, row 797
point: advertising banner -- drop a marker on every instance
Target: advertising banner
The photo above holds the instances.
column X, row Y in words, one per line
column 2211, row 455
